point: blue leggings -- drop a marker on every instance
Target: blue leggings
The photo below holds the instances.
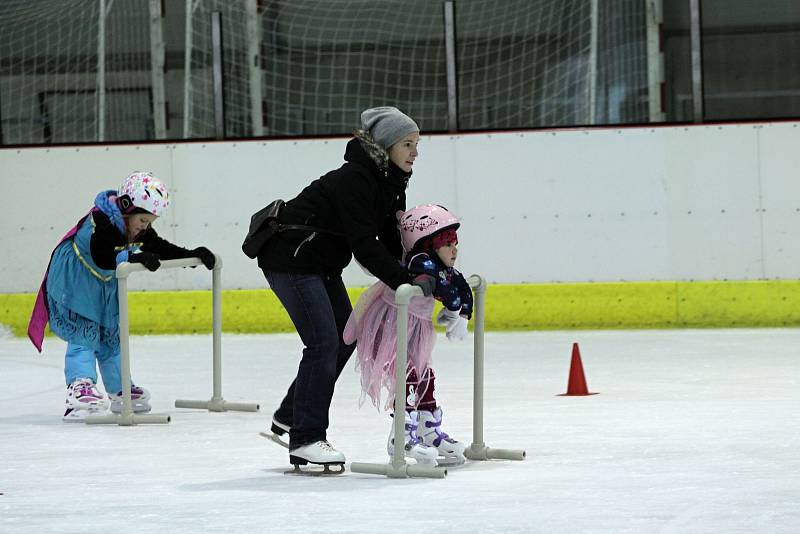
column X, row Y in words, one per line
column 81, row 362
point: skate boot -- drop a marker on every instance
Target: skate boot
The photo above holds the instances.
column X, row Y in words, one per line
column 414, row 447
column 83, row 398
column 140, row 398
column 450, row 451
column 319, row 453
column 277, row 430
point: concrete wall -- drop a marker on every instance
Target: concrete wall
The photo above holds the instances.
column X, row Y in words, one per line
column 671, row 203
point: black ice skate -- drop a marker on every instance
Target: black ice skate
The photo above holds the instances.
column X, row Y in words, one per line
column 318, row 453
column 277, row 429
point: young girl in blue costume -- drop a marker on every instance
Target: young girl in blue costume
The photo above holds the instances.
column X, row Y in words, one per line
column 78, row 296
column 428, row 234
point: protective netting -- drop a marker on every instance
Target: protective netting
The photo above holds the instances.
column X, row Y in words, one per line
column 69, row 73
column 520, row 63
column 55, row 88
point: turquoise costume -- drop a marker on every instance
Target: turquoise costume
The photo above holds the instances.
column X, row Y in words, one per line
column 82, row 296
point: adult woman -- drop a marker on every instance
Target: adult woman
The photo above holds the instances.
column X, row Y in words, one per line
column 355, row 207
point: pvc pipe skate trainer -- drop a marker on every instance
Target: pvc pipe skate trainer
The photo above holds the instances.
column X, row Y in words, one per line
column 216, row 403
column 478, row 449
column 398, row 467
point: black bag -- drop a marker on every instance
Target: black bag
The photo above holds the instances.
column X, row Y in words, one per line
column 264, row 224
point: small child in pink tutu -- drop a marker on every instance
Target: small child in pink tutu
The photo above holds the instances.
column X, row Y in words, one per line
column 428, row 233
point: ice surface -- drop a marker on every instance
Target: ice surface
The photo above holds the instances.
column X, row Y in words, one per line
column 692, row 431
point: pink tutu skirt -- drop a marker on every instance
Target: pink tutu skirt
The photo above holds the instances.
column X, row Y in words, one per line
column 373, row 324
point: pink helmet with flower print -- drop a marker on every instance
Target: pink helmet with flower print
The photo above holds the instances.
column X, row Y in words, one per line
column 144, row 191
column 424, row 221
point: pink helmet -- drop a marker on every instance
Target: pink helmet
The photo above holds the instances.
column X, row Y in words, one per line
column 424, row 221
column 144, row 191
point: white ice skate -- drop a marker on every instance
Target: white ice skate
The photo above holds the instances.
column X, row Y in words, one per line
column 450, row 451
column 319, row 453
column 83, row 399
column 140, row 398
column 414, row 447
column 277, row 430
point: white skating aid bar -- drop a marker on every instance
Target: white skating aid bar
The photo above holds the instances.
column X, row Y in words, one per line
column 398, row 467
column 216, row 404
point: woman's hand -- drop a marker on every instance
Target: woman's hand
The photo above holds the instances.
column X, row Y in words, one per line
column 425, row 282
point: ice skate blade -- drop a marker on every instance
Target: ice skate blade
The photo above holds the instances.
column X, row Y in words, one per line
column 136, row 408
column 326, row 471
column 425, row 462
column 80, row 415
column 450, row 461
column 274, row 437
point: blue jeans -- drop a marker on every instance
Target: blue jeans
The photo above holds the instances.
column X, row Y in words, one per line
column 82, row 362
column 319, row 308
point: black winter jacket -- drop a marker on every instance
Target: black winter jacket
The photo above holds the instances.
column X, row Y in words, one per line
column 359, row 200
column 107, row 241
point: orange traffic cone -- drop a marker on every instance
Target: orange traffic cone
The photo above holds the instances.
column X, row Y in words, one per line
column 577, row 380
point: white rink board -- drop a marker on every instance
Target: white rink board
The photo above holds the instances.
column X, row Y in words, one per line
column 780, row 183
column 669, row 203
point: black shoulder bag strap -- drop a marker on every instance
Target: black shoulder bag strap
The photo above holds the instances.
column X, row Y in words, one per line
column 264, row 224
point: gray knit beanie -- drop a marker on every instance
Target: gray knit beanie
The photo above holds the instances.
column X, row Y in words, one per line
column 387, row 125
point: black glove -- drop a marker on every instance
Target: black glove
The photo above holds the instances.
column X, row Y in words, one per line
column 150, row 260
column 425, row 282
column 205, row 255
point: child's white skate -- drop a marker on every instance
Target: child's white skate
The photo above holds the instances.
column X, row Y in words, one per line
column 140, row 400
column 277, row 429
column 414, row 447
column 318, row 453
column 83, row 399
column 450, row 451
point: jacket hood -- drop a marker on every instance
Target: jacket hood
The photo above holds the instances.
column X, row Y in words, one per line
column 364, row 150
column 373, row 150
column 105, row 201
